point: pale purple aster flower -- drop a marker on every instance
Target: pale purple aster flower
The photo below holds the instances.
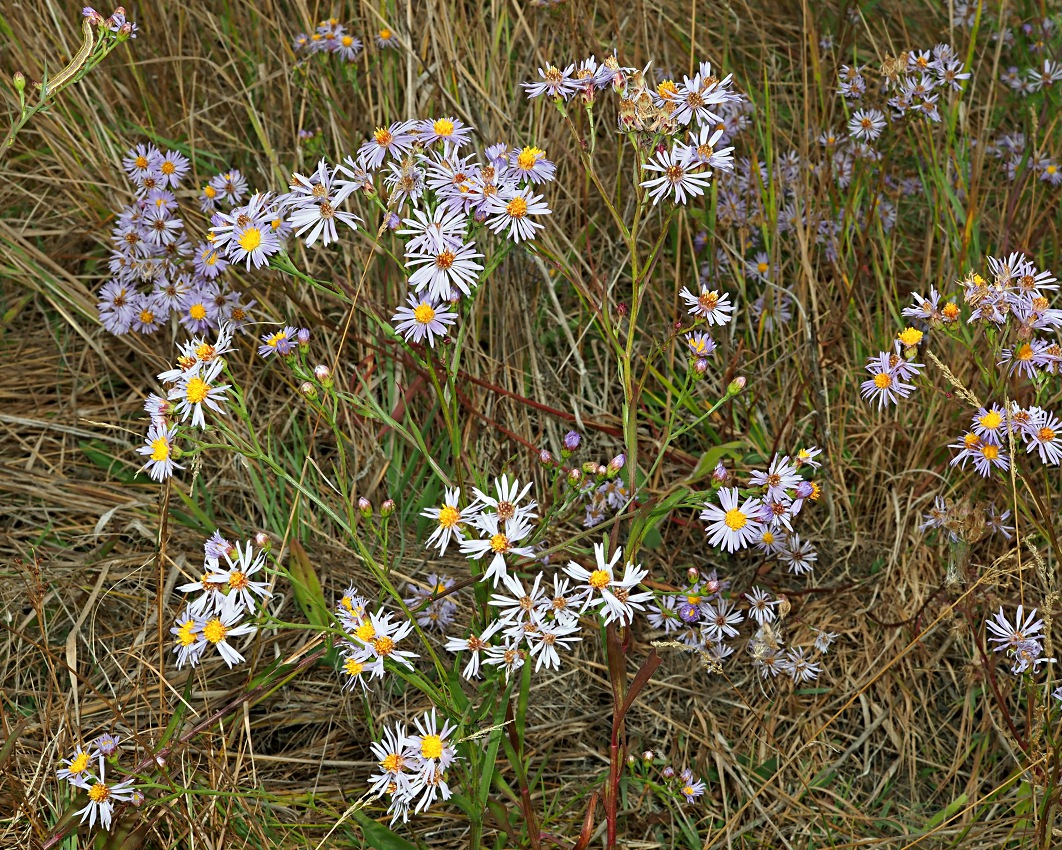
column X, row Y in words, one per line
column 709, row 305
column 148, row 314
column 1044, row 435
column 138, row 161
column 395, row 140
column 732, row 527
column 798, row 667
column 423, row 318
column 230, row 186
column 474, row 645
column 1008, row 636
column 451, row 131
column 554, row 83
column 280, row 342
column 761, row 606
column 798, row 555
column 444, row 268
column 158, row 449
column 884, row 385
column 779, row 478
column 431, row 231
column 530, row 163
column 678, row 175
column 866, row 124
column 509, row 211
column 172, row 166
column 692, row 790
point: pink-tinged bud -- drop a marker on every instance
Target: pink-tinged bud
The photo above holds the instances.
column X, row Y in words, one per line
column 18, row 80
column 387, row 508
column 631, row 760
column 95, row 18
column 667, row 771
column 545, row 458
column 308, row 390
column 720, row 475
column 736, row 385
column 692, row 574
column 262, row 541
column 119, row 11
column 323, row 374
column 160, row 761
column 619, row 82
column 647, row 756
column 575, row 477
column 589, row 468
column 364, row 507
column 713, row 585
column 124, row 31
column 700, row 367
column 616, row 464
column 601, row 471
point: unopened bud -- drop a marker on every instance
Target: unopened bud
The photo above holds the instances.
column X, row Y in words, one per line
column 262, row 541
column 575, row 477
column 720, row 475
column 736, row 385
column 700, row 367
column 124, row 31
column 323, row 374
column 590, row 467
column 18, row 80
column 647, row 756
column 364, row 507
column 667, row 771
column 692, row 574
column 545, row 458
column 303, row 336
column 571, row 443
column 95, row 18
column 308, row 390
column 631, row 760
column 616, row 464
column 387, row 508
column 392, row 221
column 601, row 471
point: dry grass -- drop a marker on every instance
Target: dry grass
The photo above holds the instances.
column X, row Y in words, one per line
column 899, row 727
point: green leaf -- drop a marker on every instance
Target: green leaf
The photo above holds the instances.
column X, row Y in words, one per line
column 99, row 453
column 307, row 588
column 711, row 458
column 378, row 836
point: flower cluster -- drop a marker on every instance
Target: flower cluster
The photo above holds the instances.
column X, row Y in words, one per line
column 433, row 606
column 227, row 595
column 413, row 765
column 332, row 37
column 86, row 771
column 151, row 246
column 763, row 518
column 370, row 638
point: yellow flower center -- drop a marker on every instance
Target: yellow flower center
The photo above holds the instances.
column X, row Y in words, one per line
column 708, row 301
column 215, row 631
column 910, row 336
column 382, row 137
column 147, row 317
column 443, row 127
column 735, row 519
column 365, row 632
column 431, row 746
column 210, row 257
column 1051, row 169
column 168, row 167
column 1046, row 434
column 445, row 260
column 353, row 667
column 275, row 339
column 99, row 792
column 250, row 239
column 687, row 790
column 950, row 311
column 186, row 634
column 762, row 268
column 141, row 162
column 991, row 420
column 499, row 543
column 882, row 380
column 383, row 645
column 1024, row 353
column 768, row 537
column 197, row 312
column 816, row 490
column 347, row 41
column 528, row 157
column 516, row 208
column 385, row 34
column 599, row 579
column 210, row 191
column 449, row 516
column 989, row 451
column 393, row 762
column 79, row 763
column 196, row 391
column 237, row 580
column 693, row 600
column 971, row 440
column 424, row 313
column 667, row 88
column 160, row 449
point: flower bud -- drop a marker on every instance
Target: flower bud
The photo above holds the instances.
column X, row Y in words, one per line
column 616, row 464
column 571, row 443
column 387, row 508
column 137, row 798
column 95, row 18
column 720, row 475
column 647, row 756
column 545, row 458
column 601, row 471
column 392, row 221
column 365, row 507
column 262, row 541
column 631, row 760
column 18, row 80
column 575, row 477
column 308, row 390
column 667, row 771
column 323, row 374
column 303, row 336
column 700, row 367
column 736, row 385
column 124, row 31
column 589, row 468
column 692, row 574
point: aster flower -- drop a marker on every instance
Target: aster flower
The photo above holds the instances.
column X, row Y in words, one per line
column 1007, row 636
column 798, row 555
column 678, row 175
column 348, row 47
column 553, row 82
column 508, row 656
column 985, row 456
column 509, row 211
column 530, row 163
column 499, row 540
column 230, row 186
column 1044, row 435
column 158, row 449
column 171, row 168
column 319, row 217
column 866, row 124
column 236, row 579
column 442, row 269
column 709, row 305
column 550, row 637
column 507, row 501
column 451, row 131
column 732, row 527
column 761, row 607
column 449, row 519
column 692, row 790
column 603, row 587
column 423, row 318
column 387, row 39
column 76, row 768
column 475, row 645
column 779, row 478
column 139, row 161
column 434, row 230
column 393, row 754
column 378, row 638
column 186, row 634
column 195, row 391
column 521, row 605
column 102, row 797
column 798, row 667
column 721, row 620
column 281, row 342
column 216, row 629
column 253, row 243
column 885, row 385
